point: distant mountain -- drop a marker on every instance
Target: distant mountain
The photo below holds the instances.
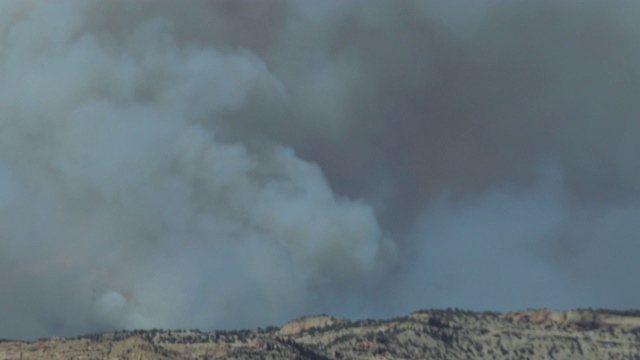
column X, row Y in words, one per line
column 428, row 334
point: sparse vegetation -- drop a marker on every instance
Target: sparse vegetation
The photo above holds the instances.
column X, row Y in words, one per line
column 440, row 334
column 631, row 313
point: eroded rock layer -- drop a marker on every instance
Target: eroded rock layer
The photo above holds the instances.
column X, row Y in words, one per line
column 437, row 334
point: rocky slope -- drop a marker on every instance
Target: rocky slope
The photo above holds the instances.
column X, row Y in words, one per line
column 450, row 334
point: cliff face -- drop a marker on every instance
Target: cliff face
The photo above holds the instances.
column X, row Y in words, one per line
column 534, row 334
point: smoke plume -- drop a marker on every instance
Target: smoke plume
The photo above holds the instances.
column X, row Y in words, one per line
column 226, row 164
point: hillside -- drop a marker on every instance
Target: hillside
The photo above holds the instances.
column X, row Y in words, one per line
column 437, row 334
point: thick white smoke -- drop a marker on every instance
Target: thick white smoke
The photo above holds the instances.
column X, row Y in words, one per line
column 237, row 163
column 121, row 208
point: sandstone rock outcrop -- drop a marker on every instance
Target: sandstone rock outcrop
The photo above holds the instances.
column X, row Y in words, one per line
column 436, row 334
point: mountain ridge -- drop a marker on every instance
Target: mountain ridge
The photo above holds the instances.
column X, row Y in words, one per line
column 446, row 334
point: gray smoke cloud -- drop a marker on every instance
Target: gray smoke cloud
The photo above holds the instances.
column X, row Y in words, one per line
column 225, row 164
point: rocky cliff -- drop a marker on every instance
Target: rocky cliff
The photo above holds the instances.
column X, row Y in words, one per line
column 448, row 334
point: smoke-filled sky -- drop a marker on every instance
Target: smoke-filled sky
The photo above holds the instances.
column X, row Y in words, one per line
column 228, row 164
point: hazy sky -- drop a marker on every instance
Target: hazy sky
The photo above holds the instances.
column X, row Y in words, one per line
column 227, row 164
